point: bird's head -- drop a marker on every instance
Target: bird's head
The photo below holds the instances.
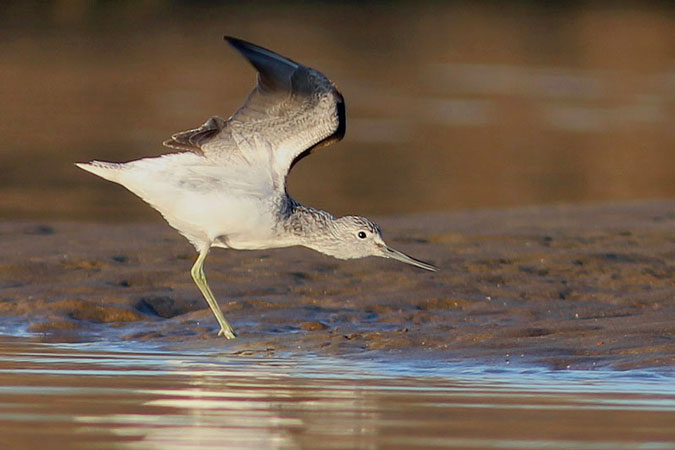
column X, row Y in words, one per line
column 357, row 237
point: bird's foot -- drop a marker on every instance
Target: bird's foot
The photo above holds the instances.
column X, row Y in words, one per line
column 227, row 332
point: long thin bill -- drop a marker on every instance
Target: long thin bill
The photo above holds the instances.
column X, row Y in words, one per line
column 389, row 252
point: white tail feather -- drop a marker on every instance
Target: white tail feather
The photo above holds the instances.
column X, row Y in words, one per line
column 108, row 171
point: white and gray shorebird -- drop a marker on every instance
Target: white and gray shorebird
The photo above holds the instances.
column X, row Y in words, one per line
column 225, row 186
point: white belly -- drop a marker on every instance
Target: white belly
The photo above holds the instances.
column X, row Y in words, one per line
column 210, row 205
column 241, row 223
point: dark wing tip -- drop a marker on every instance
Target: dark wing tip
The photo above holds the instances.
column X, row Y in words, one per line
column 236, row 42
column 276, row 73
column 275, row 70
column 249, row 49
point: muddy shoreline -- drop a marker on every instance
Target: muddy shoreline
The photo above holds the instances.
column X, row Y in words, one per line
column 564, row 286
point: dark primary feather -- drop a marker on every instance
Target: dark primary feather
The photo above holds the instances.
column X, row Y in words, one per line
column 292, row 107
column 274, row 71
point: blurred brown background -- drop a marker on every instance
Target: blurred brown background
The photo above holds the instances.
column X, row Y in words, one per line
column 450, row 106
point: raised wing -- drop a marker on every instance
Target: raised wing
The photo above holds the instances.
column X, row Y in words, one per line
column 194, row 139
column 291, row 111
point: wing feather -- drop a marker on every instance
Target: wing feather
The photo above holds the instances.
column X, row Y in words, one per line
column 193, row 140
column 291, row 111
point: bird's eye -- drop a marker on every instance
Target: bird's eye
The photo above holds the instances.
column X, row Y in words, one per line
column 362, row 235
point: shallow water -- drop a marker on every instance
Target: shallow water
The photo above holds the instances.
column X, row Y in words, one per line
column 108, row 396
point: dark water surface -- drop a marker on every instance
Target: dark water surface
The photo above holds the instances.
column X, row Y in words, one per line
column 140, row 397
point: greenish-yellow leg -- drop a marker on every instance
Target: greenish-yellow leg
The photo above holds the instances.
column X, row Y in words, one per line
column 197, row 273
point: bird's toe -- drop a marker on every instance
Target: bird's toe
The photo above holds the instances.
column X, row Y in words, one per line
column 229, row 334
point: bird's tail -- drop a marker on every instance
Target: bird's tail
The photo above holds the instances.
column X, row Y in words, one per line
column 106, row 170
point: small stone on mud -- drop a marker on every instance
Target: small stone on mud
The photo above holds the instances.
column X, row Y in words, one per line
column 313, row 326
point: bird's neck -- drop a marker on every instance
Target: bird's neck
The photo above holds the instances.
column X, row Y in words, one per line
column 305, row 225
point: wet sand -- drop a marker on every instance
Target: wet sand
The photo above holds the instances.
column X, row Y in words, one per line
column 564, row 286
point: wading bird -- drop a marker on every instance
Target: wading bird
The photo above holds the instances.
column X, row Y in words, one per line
column 225, row 186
